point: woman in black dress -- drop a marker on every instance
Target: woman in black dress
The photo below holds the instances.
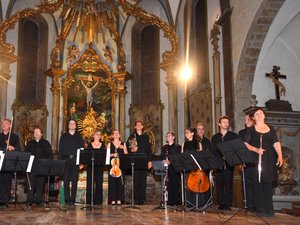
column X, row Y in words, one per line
column 98, row 172
column 263, row 141
column 173, row 178
column 116, row 184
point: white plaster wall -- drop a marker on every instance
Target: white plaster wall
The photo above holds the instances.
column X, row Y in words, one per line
column 153, row 7
column 241, row 19
column 281, row 47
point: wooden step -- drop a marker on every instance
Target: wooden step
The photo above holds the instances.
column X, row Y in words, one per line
column 294, row 211
column 296, row 205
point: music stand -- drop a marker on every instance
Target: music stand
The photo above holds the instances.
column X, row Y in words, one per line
column 15, row 161
column 161, row 170
column 236, row 152
column 182, row 163
column 50, row 167
column 208, row 161
column 92, row 157
column 135, row 161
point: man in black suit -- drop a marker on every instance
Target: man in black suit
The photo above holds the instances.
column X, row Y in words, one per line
column 8, row 142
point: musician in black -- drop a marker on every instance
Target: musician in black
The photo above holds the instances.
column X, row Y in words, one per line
column 249, row 169
column 41, row 149
column 204, row 145
column 224, row 177
column 173, row 177
column 97, row 199
column 68, row 145
column 263, row 141
column 116, row 190
column 8, row 142
column 138, row 142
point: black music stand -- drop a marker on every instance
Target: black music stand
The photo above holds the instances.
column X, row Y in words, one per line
column 208, row 161
column 92, row 157
column 50, row 167
column 161, row 170
column 135, row 161
column 183, row 163
column 236, row 152
column 15, row 161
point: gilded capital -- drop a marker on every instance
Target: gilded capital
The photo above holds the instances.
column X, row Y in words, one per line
column 55, row 74
column 5, row 60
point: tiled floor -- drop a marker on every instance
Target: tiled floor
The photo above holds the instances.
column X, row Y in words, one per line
column 112, row 215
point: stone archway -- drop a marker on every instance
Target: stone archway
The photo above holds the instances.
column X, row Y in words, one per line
column 255, row 38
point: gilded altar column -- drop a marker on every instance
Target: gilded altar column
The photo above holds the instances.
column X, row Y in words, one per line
column 55, row 74
column 5, row 60
column 214, row 37
column 122, row 77
column 171, row 82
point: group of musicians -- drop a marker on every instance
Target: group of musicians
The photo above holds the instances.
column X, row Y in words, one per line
column 259, row 138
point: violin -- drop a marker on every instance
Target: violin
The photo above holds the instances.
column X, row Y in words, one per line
column 115, row 170
column 197, row 181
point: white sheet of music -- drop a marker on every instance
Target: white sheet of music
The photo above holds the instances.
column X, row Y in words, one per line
column 107, row 160
column 1, row 159
column 78, row 156
column 29, row 167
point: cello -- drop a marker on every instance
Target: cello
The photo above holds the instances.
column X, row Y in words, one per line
column 197, row 181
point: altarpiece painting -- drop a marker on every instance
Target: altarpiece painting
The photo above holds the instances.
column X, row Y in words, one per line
column 89, row 95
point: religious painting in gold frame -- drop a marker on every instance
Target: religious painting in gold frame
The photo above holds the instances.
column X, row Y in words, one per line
column 89, row 93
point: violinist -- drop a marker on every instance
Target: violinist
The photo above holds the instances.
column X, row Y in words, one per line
column 116, row 194
column 97, row 199
column 173, row 179
column 8, row 142
column 224, row 176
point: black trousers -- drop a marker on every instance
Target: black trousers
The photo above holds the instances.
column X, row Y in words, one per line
column 98, row 185
column 249, row 185
column 173, row 186
column 263, row 198
column 116, row 189
column 140, row 184
column 37, row 186
column 70, row 175
column 5, row 186
column 224, row 179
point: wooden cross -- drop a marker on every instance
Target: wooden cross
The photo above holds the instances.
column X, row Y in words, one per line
column 275, row 76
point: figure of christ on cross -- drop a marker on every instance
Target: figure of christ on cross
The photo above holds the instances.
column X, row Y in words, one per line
column 89, row 92
column 275, row 76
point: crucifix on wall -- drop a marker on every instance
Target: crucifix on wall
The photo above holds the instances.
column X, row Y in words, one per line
column 275, row 76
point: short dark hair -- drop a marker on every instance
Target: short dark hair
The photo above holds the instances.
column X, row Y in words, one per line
column 223, row 118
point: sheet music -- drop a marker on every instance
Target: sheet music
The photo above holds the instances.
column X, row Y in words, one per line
column 29, row 167
column 78, row 156
column 107, row 160
column 1, row 160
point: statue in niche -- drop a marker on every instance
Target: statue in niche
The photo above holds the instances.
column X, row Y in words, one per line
column 286, row 176
column 286, row 172
column 73, row 114
column 89, row 86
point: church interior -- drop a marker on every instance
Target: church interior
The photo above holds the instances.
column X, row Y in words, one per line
column 169, row 63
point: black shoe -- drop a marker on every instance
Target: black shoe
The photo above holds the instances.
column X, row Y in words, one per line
column 28, row 207
column 221, row 207
column 3, row 205
column 226, row 207
column 250, row 210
